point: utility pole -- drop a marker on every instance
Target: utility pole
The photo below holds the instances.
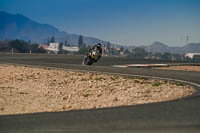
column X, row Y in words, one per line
column 148, row 53
column 187, row 40
column 103, row 50
column 29, row 42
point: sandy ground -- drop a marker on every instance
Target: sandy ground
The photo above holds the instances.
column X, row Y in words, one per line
column 29, row 90
column 183, row 68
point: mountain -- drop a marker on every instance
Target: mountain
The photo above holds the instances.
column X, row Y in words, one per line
column 192, row 48
column 158, row 47
column 17, row 26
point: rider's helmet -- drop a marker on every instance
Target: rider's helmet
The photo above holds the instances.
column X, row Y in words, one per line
column 99, row 45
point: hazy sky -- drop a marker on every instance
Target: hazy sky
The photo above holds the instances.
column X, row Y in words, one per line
column 128, row 22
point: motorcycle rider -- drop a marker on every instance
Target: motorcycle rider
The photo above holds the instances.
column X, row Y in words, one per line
column 98, row 49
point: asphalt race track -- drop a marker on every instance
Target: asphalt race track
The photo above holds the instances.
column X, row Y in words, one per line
column 178, row 116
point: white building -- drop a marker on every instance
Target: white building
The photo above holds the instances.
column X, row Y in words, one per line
column 53, row 47
column 191, row 55
column 70, row 49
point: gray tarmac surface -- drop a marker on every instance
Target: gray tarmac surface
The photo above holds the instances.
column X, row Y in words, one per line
column 178, row 116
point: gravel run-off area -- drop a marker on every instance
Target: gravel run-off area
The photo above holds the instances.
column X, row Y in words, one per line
column 182, row 68
column 26, row 89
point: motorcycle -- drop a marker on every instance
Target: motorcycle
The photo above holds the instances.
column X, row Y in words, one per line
column 90, row 57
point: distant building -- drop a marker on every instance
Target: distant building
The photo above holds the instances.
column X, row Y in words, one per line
column 191, row 55
column 70, row 49
column 44, row 46
column 53, row 48
column 118, row 49
column 121, row 53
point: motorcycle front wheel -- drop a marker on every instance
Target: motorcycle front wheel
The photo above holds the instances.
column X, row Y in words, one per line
column 87, row 60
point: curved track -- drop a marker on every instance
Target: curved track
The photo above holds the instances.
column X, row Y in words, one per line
column 178, row 116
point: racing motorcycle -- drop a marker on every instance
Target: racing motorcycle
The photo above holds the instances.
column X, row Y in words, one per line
column 90, row 57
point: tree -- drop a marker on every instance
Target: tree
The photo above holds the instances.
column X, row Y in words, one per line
column 167, row 56
column 4, row 46
column 108, row 47
column 61, row 46
column 66, row 44
column 48, row 41
column 52, row 39
column 19, row 45
column 36, row 49
column 83, row 50
column 157, row 55
column 61, row 51
column 126, row 52
column 177, row 57
column 196, row 58
column 83, row 45
column 138, row 52
column 121, row 49
column 80, row 42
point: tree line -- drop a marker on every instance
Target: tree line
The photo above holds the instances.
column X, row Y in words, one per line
column 138, row 52
column 20, row 46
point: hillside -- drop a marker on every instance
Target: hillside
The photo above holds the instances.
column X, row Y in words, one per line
column 17, row 26
column 158, row 47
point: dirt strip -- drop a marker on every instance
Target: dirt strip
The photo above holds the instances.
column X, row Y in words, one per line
column 29, row 90
column 183, row 68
